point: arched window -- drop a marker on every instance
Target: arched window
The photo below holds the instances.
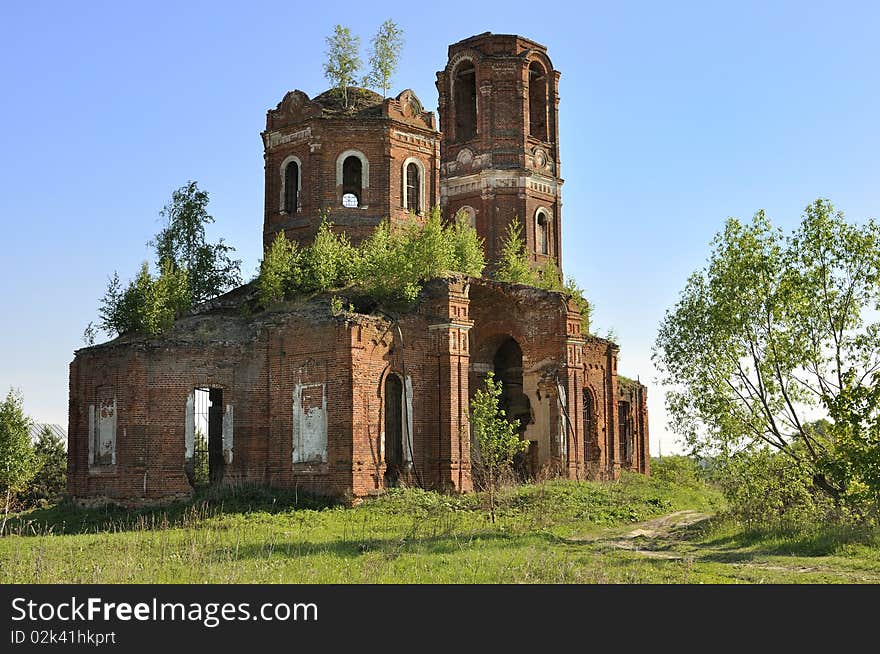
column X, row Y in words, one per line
column 413, row 184
column 542, row 232
column 412, row 190
column 464, row 94
column 291, row 186
column 291, row 182
column 537, row 101
column 469, row 214
column 352, row 178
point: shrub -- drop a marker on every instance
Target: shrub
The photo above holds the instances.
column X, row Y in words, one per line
column 50, row 483
column 329, row 262
column 387, row 266
column 768, row 490
column 678, row 470
column 280, row 270
column 513, row 266
column 467, row 248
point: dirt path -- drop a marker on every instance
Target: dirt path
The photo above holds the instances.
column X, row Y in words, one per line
column 671, row 538
column 652, row 538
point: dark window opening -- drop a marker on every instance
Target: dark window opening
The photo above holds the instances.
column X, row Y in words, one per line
column 537, row 102
column 352, row 181
column 291, row 187
column 591, row 444
column 394, row 463
column 413, row 201
column 543, row 236
column 206, row 466
column 464, row 91
column 626, row 432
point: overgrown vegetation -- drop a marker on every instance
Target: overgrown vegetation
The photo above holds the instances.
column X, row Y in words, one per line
column 495, row 435
column 514, row 267
column 390, row 267
column 343, row 60
column 772, row 330
column 387, row 267
column 384, row 56
column 190, row 271
column 555, row 531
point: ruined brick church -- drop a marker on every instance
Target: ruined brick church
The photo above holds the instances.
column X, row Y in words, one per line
column 347, row 403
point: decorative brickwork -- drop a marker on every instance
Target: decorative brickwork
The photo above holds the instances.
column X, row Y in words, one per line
column 507, row 164
column 317, row 136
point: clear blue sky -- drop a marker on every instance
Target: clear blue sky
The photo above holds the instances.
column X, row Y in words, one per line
column 673, row 116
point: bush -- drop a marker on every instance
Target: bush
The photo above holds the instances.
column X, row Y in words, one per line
column 329, row 262
column 768, row 490
column 678, row 470
column 280, row 270
column 50, row 483
column 147, row 305
column 386, row 267
column 514, row 268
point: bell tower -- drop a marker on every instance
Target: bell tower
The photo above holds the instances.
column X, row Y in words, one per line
column 499, row 154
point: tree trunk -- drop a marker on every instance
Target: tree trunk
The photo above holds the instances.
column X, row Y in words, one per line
column 492, row 500
column 6, row 511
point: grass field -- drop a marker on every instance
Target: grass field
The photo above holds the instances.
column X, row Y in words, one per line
column 551, row 532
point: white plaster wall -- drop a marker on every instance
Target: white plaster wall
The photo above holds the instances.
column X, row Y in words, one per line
column 309, row 427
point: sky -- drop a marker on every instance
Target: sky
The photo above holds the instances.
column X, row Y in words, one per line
column 673, row 116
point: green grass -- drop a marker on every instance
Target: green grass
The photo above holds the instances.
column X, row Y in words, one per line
column 551, row 532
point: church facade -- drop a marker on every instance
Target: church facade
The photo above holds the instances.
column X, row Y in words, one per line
column 346, row 403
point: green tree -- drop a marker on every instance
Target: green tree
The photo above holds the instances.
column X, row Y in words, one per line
column 147, row 305
column 467, row 247
column 50, row 482
column 280, row 272
column 210, row 268
column 384, row 56
column 775, row 327
column 190, row 271
column 576, row 293
column 549, row 277
column 383, row 272
column 329, row 262
column 343, row 61
column 513, row 265
column 496, row 436
column 18, row 463
column 428, row 250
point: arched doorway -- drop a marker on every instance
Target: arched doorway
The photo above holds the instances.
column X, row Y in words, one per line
column 508, row 368
column 394, row 459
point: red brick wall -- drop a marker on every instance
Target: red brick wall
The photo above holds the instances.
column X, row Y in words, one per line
column 507, row 173
column 444, row 347
column 387, row 136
